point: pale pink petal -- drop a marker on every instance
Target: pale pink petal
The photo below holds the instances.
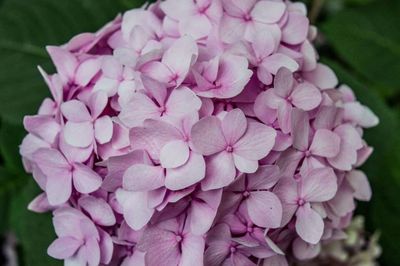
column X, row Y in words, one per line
column 268, row 11
column 92, row 251
column 207, row 136
column 325, row 143
column 359, row 182
column 220, row 171
column 64, row 247
column 322, row 76
column 79, row 134
column 86, row 71
column 245, row 165
column 43, row 126
column 98, row 209
column 319, row 185
column 103, row 129
column 186, row 175
column 142, row 177
column 97, row 103
column 135, row 206
column 306, row 96
column 107, row 85
column 85, row 179
column 300, row 129
column 234, row 125
column 65, row 62
column 296, row 29
column 192, row 250
column 263, row 44
column 276, row 61
column 75, row 111
column 139, row 108
column 157, row 71
column 265, row 177
column 231, row 29
column 285, row 117
column 309, row 224
column 283, row 83
column 181, row 102
column 256, row 143
column 174, row 154
column 305, row 251
column 265, row 209
column 59, row 188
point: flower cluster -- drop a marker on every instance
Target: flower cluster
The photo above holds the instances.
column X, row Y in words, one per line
column 196, row 133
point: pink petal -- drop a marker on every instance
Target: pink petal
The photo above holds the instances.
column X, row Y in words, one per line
column 186, row 175
column 296, row 29
column 64, row 247
column 107, row 85
column 305, row 251
column 207, row 136
column 245, row 165
column 59, row 188
column 283, row 83
column 265, row 209
column 85, row 179
column 98, row 209
column 174, row 154
column 300, row 129
column 319, row 185
column 268, row 11
column 234, row 125
column 325, row 143
column 265, row 177
column 231, row 29
column 263, row 44
column 323, row 77
column 79, row 134
column 139, row 108
column 135, row 207
column 309, row 224
column 153, row 137
column 97, row 103
column 276, row 61
column 103, row 129
column 106, row 247
column 142, row 177
column 264, row 112
column 359, row 182
column 285, row 117
column 65, row 62
column 75, row 111
column 87, row 71
column 220, row 171
column 192, row 250
column 92, row 251
column 40, row 204
column 204, row 210
column 306, row 96
column 157, row 71
column 256, row 143
column 181, row 102
column 43, row 126
column 180, row 56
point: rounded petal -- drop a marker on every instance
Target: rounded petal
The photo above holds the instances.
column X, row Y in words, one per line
column 103, row 129
column 309, row 224
column 265, row 209
column 98, row 209
column 268, row 11
column 359, row 182
column 186, row 175
column 325, row 143
column 220, row 171
column 75, row 111
column 85, row 179
column 306, row 96
column 142, row 177
column 234, row 125
column 64, row 247
column 319, row 185
column 207, row 136
column 79, row 134
column 174, row 154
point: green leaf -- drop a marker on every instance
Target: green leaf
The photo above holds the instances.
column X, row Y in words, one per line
column 10, row 138
column 34, row 231
column 383, row 168
column 368, row 39
column 26, row 27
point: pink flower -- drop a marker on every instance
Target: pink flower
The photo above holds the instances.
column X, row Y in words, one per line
column 82, row 128
column 61, row 174
column 223, row 77
column 234, row 143
column 170, row 243
column 298, row 196
column 79, row 241
column 287, row 94
column 245, row 18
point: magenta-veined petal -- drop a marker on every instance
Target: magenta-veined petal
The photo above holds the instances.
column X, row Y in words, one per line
column 309, row 224
column 265, row 209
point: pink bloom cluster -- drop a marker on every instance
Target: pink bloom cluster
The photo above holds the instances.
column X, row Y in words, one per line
column 197, row 133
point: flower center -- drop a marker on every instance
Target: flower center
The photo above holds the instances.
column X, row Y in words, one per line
column 233, row 249
column 229, row 148
column 247, row 17
column 162, row 110
column 246, row 194
column 301, row 202
column 178, row 238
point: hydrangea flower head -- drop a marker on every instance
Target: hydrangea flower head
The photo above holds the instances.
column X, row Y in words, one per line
column 197, row 133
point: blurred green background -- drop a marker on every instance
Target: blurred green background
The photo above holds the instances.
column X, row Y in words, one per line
column 360, row 39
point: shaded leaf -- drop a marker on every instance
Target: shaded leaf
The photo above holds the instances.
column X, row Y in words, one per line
column 367, row 38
